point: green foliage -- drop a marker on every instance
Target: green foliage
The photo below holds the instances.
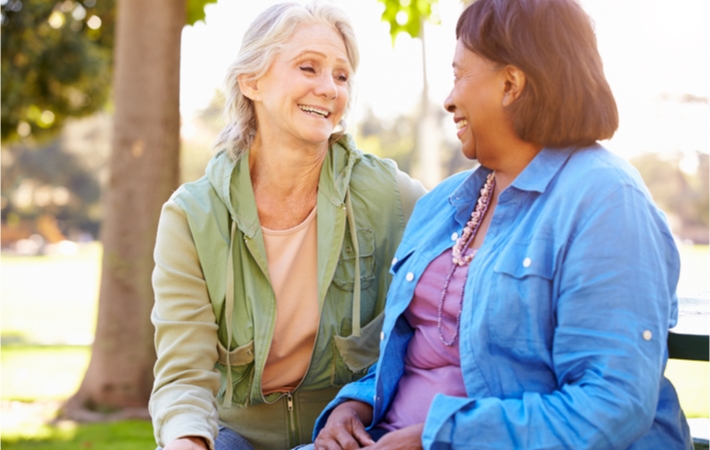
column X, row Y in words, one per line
column 56, row 63
column 196, row 10
column 49, row 181
column 407, row 16
column 682, row 194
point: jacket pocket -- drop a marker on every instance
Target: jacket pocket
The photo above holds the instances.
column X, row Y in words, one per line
column 345, row 271
column 520, row 314
column 241, row 360
column 352, row 355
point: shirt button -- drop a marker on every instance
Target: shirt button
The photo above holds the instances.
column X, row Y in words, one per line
column 382, row 335
column 454, row 236
column 410, row 276
column 647, row 335
column 394, row 261
column 527, row 262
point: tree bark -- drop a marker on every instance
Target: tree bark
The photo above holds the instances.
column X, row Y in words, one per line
column 144, row 169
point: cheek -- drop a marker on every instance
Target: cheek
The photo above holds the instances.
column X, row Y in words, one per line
column 343, row 97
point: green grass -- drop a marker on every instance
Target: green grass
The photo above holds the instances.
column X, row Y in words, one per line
column 125, row 435
column 41, row 373
column 50, row 299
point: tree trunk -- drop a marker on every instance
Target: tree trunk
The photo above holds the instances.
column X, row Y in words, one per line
column 428, row 139
column 144, row 170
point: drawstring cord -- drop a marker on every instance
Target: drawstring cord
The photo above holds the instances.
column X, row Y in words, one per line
column 357, row 281
column 229, row 297
column 229, row 313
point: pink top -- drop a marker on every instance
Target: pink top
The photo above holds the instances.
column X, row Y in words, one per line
column 293, row 269
column 430, row 367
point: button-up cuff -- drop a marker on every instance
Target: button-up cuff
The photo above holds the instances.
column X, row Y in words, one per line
column 439, row 425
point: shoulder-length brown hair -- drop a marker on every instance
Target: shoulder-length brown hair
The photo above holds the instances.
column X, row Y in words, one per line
column 567, row 100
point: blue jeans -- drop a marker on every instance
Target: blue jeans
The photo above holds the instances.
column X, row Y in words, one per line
column 229, row 440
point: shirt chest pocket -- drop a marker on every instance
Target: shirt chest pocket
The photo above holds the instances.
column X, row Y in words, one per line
column 345, row 271
column 520, row 306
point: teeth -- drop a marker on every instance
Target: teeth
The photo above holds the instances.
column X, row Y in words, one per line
column 311, row 109
column 461, row 123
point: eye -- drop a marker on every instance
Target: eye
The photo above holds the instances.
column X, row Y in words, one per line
column 308, row 69
column 342, row 77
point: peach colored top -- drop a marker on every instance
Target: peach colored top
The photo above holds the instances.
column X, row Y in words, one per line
column 293, row 268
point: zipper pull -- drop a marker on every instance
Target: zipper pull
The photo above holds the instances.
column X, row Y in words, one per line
column 289, row 401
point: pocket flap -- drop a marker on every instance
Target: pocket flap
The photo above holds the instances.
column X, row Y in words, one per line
column 529, row 258
column 400, row 257
column 244, row 354
column 359, row 353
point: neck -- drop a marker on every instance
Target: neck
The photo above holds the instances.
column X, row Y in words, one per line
column 515, row 157
column 285, row 170
column 285, row 181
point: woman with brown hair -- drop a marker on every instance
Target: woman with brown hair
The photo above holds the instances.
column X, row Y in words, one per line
column 532, row 295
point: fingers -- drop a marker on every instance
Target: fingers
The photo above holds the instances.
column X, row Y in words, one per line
column 362, row 436
column 335, row 438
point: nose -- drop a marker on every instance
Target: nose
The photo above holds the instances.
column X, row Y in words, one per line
column 449, row 104
column 326, row 87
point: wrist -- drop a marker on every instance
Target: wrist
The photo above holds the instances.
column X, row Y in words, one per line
column 362, row 411
column 198, row 440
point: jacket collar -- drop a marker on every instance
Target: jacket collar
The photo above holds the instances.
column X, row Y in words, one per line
column 229, row 177
column 536, row 177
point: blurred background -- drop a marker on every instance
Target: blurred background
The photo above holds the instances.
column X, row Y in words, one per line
column 59, row 110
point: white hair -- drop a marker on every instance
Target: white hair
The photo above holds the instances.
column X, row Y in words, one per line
column 262, row 42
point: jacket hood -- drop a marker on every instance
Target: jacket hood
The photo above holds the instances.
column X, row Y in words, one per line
column 334, row 178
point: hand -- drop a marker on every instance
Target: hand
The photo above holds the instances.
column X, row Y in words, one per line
column 187, row 443
column 405, row 438
column 345, row 428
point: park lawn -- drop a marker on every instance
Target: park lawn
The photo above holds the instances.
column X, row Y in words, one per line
column 47, row 375
column 32, row 373
column 124, row 435
column 50, row 299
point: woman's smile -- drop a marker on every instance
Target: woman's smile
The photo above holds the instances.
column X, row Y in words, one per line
column 315, row 111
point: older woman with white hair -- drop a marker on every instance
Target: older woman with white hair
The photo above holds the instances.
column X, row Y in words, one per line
column 271, row 271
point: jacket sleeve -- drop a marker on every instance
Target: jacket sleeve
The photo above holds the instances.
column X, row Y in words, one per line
column 183, row 398
column 410, row 190
column 615, row 290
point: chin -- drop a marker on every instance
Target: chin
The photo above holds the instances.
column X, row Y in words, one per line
column 469, row 153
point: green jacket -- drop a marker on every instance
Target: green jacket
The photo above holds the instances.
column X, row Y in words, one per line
column 212, row 292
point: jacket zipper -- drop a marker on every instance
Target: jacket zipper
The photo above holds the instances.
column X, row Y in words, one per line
column 291, row 418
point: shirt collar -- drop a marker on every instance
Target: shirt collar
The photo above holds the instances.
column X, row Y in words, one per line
column 536, row 176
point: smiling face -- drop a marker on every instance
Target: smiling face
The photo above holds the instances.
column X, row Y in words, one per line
column 305, row 92
column 477, row 102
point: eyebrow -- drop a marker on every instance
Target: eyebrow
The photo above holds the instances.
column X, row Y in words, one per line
column 321, row 54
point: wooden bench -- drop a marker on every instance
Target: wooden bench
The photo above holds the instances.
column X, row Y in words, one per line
column 692, row 347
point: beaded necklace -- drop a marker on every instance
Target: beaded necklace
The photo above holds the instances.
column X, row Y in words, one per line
column 459, row 258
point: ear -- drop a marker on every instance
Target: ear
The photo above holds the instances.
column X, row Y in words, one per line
column 249, row 87
column 515, row 80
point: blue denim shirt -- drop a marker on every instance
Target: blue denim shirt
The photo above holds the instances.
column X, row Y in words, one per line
column 567, row 307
